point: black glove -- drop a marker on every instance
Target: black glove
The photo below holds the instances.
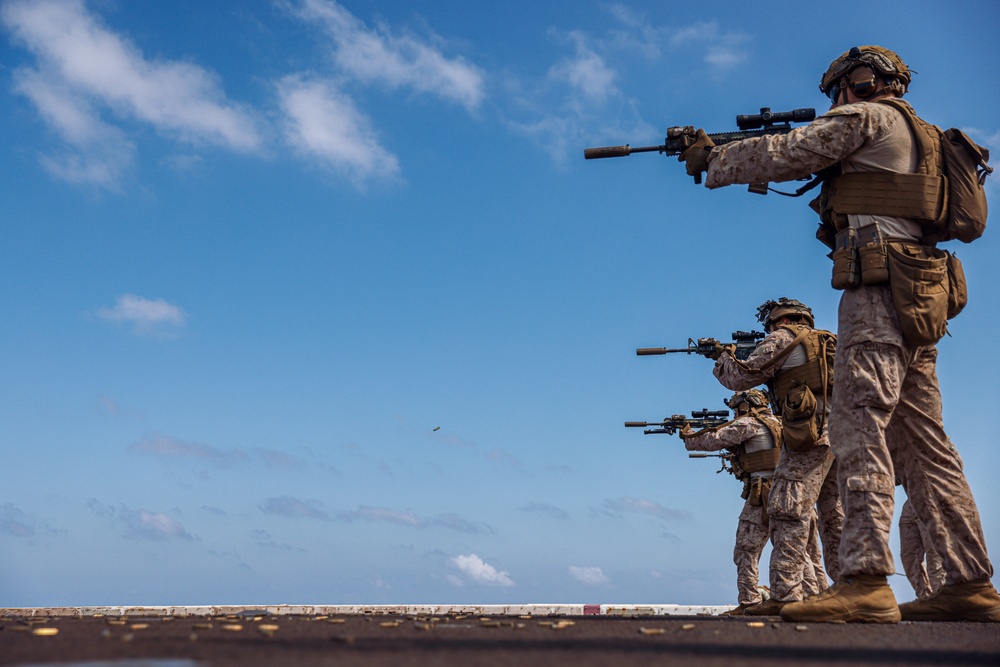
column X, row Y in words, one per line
column 695, row 156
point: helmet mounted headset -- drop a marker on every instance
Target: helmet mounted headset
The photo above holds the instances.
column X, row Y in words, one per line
column 860, row 69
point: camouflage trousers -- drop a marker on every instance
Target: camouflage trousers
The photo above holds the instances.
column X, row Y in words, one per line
column 751, row 538
column 813, row 577
column 887, row 408
column 926, row 577
column 752, row 534
column 804, row 483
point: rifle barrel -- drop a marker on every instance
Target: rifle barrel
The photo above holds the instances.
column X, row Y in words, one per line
column 649, row 351
column 617, row 151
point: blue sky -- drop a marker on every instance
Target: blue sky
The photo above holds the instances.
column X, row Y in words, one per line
column 318, row 302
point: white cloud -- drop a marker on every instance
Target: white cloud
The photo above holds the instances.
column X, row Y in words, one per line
column 588, row 575
column 722, row 50
column 586, row 71
column 545, row 508
column 173, row 449
column 97, row 153
column 409, row 518
column 365, row 513
column 159, row 525
column 85, row 70
column 141, row 523
column 570, row 106
column 379, row 56
column 644, row 506
column 146, row 315
column 18, row 523
column 473, row 567
column 581, row 99
column 15, row 522
column 324, row 124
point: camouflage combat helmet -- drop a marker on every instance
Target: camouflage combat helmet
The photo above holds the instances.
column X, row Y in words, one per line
column 885, row 63
column 771, row 311
column 755, row 398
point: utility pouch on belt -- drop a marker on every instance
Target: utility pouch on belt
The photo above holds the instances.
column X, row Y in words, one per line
column 760, row 490
column 746, row 489
column 799, row 419
column 873, row 256
column 874, row 263
column 958, row 291
column 920, row 290
column 846, row 267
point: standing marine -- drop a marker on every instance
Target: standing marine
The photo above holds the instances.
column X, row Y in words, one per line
column 795, row 360
column 881, row 208
column 753, row 437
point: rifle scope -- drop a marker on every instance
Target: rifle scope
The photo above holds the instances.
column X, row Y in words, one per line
column 705, row 413
column 766, row 118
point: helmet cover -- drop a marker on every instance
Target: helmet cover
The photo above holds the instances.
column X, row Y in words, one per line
column 771, row 311
column 755, row 398
column 881, row 60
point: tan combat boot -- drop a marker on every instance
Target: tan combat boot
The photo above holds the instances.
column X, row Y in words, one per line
column 765, row 608
column 738, row 611
column 859, row 598
column 971, row 601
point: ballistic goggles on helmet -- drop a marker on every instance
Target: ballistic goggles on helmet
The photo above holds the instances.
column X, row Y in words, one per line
column 874, row 63
column 861, row 80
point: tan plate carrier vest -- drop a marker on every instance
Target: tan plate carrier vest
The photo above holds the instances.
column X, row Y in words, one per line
column 816, row 373
column 764, row 460
column 922, row 196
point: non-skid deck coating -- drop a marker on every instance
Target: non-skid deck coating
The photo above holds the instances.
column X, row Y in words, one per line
column 389, row 609
column 379, row 636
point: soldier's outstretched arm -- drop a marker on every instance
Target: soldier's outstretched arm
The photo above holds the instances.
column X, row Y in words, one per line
column 757, row 369
column 724, row 437
column 804, row 151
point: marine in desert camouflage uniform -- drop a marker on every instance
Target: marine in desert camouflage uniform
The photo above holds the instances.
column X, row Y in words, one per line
column 814, row 579
column 751, row 437
column 921, row 563
column 887, row 402
column 804, row 481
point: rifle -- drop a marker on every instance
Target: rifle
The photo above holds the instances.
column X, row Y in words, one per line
column 727, row 457
column 699, row 419
column 681, row 137
column 745, row 342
